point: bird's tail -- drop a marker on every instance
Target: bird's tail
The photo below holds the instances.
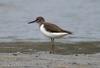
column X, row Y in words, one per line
column 67, row 32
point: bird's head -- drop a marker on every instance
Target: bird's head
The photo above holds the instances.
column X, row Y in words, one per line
column 38, row 20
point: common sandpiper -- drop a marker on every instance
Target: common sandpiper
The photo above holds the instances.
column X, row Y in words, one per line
column 50, row 30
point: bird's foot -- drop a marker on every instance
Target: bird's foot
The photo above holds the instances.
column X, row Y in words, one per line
column 51, row 52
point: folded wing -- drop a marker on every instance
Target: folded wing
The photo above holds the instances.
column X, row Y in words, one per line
column 54, row 28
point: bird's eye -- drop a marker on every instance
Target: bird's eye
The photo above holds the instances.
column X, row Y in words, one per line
column 37, row 19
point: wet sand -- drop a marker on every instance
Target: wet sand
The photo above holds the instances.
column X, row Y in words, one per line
column 60, row 48
column 36, row 55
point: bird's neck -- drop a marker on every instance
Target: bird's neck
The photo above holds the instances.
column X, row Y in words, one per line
column 40, row 23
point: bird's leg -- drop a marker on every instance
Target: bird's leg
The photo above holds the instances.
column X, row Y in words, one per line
column 52, row 46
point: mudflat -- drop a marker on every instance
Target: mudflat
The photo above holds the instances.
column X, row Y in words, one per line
column 60, row 48
column 36, row 55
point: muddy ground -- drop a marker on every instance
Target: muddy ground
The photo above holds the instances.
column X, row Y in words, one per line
column 36, row 55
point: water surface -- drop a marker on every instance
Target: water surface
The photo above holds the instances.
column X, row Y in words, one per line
column 82, row 17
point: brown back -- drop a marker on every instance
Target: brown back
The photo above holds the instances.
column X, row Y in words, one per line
column 54, row 28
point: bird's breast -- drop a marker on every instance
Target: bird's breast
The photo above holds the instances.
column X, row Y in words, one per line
column 51, row 34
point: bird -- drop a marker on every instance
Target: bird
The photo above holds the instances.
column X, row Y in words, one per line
column 50, row 30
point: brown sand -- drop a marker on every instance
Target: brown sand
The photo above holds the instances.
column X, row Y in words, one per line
column 36, row 55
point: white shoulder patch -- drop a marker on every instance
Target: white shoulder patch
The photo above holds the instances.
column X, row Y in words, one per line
column 50, row 34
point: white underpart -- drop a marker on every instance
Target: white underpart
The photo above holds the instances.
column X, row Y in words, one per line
column 50, row 34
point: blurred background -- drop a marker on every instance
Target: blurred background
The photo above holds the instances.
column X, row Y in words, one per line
column 82, row 17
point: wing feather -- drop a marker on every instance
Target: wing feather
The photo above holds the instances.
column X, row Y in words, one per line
column 54, row 28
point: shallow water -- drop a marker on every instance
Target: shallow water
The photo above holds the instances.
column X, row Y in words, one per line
column 82, row 17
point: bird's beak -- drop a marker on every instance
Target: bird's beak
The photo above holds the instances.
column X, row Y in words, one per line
column 32, row 22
